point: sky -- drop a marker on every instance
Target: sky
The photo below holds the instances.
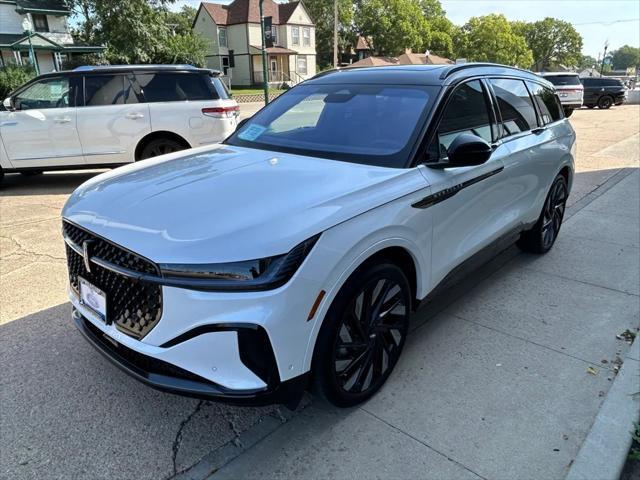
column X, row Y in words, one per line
column 598, row 21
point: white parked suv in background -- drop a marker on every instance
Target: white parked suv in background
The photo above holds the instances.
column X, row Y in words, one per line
column 107, row 116
column 569, row 88
column 295, row 251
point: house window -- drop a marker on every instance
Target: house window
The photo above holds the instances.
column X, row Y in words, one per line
column 225, row 65
column 222, row 36
column 274, row 34
column 302, row 64
column 295, row 35
column 40, row 23
column 306, row 36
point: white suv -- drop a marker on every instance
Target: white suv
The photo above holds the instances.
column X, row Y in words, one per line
column 569, row 88
column 296, row 250
column 107, row 116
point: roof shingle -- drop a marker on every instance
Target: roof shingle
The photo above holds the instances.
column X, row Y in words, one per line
column 248, row 11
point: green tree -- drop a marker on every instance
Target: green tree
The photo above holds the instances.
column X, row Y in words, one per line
column 625, row 57
column 181, row 22
column 392, row 25
column 587, row 61
column 552, row 42
column 321, row 12
column 139, row 31
column 441, row 28
column 490, row 38
column 432, row 9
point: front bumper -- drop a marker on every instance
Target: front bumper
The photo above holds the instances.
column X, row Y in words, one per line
column 170, row 378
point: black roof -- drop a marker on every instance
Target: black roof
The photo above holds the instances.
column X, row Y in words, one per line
column 418, row 74
column 43, row 6
column 101, row 69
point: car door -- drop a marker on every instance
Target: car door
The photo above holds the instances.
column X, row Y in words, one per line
column 468, row 204
column 41, row 130
column 590, row 91
column 111, row 122
column 530, row 165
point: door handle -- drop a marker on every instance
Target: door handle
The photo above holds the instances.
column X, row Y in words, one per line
column 538, row 130
column 134, row 116
column 62, row 120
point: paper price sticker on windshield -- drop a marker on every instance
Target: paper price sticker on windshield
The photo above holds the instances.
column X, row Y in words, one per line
column 252, row 132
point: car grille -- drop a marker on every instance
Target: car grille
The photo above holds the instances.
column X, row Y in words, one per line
column 134, row 306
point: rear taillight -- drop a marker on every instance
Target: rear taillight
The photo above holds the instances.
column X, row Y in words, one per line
column 221, row 112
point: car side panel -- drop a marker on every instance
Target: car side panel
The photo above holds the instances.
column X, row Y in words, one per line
column 110, row 133
column 187, row 120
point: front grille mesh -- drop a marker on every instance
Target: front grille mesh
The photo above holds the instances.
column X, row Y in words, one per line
column 135, row 307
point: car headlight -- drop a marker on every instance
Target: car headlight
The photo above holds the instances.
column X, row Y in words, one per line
column 259, row 274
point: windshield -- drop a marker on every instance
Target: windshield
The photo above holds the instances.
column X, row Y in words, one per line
column 561, row 80
column 370, row 124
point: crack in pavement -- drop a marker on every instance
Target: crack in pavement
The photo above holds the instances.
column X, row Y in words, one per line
column 178, row 439
column 23, row 250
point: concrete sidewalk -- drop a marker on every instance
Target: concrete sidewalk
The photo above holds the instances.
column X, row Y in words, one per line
column 494, row 380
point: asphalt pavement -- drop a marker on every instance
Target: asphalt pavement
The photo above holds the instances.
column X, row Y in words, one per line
column 493, row 382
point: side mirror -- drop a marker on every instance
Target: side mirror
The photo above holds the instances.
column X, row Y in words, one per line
column 468, row 150
column 8, row 104
column 242, row 122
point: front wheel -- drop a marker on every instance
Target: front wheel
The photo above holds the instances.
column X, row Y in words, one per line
column 543, row 235
column 363, row 335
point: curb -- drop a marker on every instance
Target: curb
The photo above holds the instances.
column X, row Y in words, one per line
column 604, row 452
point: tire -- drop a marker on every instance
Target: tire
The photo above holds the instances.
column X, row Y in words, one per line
column 543, row 235
column 31, row 173
column 160, row 146
column 568, row 112
column 358, row 347
column 605, row 102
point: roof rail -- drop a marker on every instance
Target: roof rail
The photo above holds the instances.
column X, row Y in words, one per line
column 88, row 68
column 463, row 66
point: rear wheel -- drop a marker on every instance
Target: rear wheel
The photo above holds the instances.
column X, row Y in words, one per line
column 543, row 235
column 363, row 335
column 160, row 146
column 605, row 102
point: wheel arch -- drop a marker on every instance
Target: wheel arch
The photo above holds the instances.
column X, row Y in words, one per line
column 144, row 141
column 398, row 250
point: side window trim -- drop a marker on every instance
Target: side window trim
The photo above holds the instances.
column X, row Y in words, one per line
column 536, row 107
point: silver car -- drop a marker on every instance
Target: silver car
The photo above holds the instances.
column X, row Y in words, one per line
column 569, row 88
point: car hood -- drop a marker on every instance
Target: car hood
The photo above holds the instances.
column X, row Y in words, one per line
column 223, row 203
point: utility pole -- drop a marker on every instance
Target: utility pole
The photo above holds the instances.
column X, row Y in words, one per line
column 606, row 45
column 335, row 33
column 265, row 84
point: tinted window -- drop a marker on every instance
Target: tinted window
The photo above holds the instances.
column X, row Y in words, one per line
column 48, row 93
column 588, row 82
column 220, row 88
column 372, row 124
column 466, row 112
column 516, row 106
column 103, row 90
column 611, row 82
column 174, row 87
column 547, row 102
column 563, row 79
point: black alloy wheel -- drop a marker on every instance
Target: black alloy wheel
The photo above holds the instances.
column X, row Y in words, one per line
column 605, row 102
column 543, row 235
column 363, row 335
column 553, row 213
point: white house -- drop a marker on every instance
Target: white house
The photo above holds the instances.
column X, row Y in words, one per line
column 235, row 28
column 51, row 40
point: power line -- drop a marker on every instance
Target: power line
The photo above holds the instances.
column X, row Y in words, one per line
column 608, row 23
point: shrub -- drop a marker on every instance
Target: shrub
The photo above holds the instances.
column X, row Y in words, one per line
column 12, row 76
